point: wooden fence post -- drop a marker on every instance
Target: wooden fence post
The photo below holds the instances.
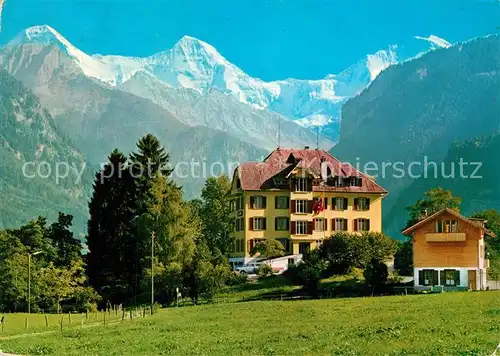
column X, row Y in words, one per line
column 123, row 315
column 46, row 321
column 104, row 319
column 26, row 323
column 62, row 321
column 69, row 316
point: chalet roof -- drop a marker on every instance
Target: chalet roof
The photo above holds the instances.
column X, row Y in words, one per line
column 257, row 175
column 474, row 222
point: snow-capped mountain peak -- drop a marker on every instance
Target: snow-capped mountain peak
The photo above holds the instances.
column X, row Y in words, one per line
column 194, row 64
column 46, row 35
column 379, row 61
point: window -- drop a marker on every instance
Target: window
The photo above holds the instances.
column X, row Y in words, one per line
column 239, row 245
column 338, row 181
column 301, row 185
column 319, row 243
column 320, row 224
column 355, row 182
column 304, row 247
column 301, row 227
column 258, row 202
column 301, row 206
column 232, row 205
column 339, row 203
column 361, row 224
column 361, row 204
column 428, row 277
column 282, row 224
column 239, row 203
column 450, row 277
column 446, row 226
column 282, row 203
column 239, row 224
column 339, row 224
column 258, row 224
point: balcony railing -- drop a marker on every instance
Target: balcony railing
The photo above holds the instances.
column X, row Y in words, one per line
column 445, row 237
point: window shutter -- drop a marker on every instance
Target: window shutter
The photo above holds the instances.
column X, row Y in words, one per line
column 333, row 224
column 276, row 202
column 309, row 206
column 368, row 203
column 293, row 226
column 368, row 224
column 355, row 224
column 457, row 278
column 345, row 203
column 249, row 246
column 309, row 185
column 252, row 202
column 345, row 224
column 293, row 206
column 421, row 278
column 310, row 227
column 435, row 277
column 264, row 202
column 355, row 203
column 325, row 224
column 264, row 223
column 325, row 203
column 441, row 276
column 251, row 224
column 276, row 224
column 293, row 184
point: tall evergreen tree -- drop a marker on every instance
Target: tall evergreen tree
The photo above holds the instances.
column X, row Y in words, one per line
column 111, row 268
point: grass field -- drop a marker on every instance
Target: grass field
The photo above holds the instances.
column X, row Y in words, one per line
column 465, row 323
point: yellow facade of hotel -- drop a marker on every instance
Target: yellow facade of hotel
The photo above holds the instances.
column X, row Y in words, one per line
column 245, row 213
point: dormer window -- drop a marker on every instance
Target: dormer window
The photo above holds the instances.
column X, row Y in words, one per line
column 338, row 181
column 446, row 226
column 301, row 185
column 355, row 182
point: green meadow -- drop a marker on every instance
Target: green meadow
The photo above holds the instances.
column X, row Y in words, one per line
column 461, row 323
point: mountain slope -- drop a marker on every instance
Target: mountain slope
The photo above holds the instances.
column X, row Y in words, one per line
column 221, row 112
column 99, row 118
column 479, row 189
column 30, row 150
column 417, row 109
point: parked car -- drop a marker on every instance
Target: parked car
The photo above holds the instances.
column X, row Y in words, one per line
column 250, row 268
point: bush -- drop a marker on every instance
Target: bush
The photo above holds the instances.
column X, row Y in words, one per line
column 376, row 275
column 309, row 272
column 265, row 270
column 344, row 251
column 236, row 278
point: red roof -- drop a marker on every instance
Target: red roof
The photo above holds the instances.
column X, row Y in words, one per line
column 258, row 175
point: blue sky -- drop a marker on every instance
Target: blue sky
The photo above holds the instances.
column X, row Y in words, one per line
column 268, row 39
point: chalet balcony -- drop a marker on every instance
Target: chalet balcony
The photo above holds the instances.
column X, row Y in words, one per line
column 445, row 237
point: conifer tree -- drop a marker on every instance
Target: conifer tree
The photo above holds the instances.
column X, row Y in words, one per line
column 110, row 267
